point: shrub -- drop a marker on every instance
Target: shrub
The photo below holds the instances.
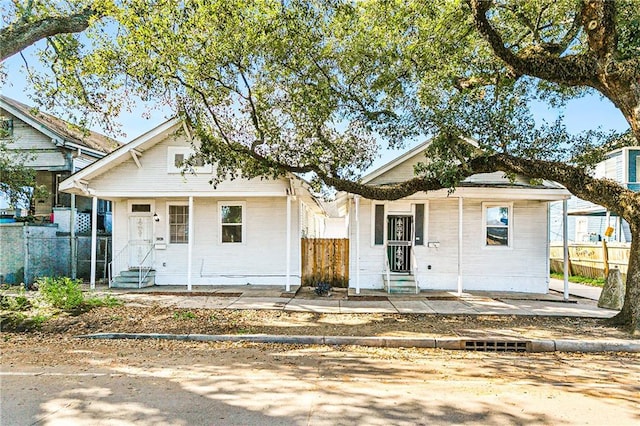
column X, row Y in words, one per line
column 61, row 292
column 14, row 303
column 108, row 301
column 184, row 315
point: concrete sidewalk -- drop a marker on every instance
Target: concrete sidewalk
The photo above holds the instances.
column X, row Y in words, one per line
column 575, row 289
column 435, row 303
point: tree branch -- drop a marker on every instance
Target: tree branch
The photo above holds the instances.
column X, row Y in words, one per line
column 605, row 192
column 21, row 35
column 598, row 21
column 570, row 70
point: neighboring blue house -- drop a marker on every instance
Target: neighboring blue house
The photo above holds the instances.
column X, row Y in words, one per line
column 588, row 221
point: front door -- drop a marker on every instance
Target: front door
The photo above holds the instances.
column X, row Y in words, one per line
column 140, row 241
column 399, row 237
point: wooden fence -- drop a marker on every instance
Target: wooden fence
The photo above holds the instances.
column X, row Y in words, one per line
column 325, row 260
column 587, row 259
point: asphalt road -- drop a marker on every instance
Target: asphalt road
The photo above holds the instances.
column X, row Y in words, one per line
column 181, row 383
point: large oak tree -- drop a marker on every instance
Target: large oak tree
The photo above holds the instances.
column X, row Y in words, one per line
column 319, row 87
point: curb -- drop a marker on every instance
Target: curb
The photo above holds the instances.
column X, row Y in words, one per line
column 457, row 343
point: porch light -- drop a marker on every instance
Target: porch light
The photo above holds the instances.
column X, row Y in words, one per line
column 156, row 217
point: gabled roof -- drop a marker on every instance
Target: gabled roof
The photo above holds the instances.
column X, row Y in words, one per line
column 78, row 182
column 123, row 153
column 395, row 162
column 62, row 132
column 480, row 179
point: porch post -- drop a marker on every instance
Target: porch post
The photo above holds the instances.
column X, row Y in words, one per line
column 72, row 238
column 190, row 244
column 288, row 246
column 94, row 240
column 565, row 245
column 356, row 199
column 460, row 205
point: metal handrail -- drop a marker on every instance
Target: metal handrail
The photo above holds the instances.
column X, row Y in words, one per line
column 415, row 269
column 141, row 278
column 117, row 260
column 387, row 268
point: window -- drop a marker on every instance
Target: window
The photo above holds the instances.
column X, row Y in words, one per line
column 378, row 227
column 140, row 208
column 497, row 224
column 419, row 229
column 231, row 222
column 179, row 155
column 178, row 224
column 6, row 127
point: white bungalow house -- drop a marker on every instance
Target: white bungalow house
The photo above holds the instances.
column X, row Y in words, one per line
column 174, row 228
column 490, row 234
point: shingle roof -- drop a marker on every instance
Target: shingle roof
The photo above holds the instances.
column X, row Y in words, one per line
column 65, row 130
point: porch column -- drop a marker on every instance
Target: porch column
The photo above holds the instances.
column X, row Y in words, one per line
column 72, row 238
column 288, row 246
column 356, row 199
column 190, row 244
column 94, row 240
column 565, row 245
column 460, row 206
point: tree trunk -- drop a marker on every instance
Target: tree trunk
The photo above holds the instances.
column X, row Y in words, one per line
column 629, row 316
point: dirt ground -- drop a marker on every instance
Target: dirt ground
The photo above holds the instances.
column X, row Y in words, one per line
column 89, row 381
column 160, row 319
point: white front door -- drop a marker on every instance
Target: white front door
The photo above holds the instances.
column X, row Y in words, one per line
column 140, row 241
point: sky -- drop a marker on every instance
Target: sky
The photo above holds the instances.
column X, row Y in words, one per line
column 587, row 113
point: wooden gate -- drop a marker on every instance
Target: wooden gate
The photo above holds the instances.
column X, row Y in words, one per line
column 325, row 260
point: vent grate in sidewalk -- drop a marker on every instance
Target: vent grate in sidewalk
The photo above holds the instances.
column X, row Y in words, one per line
column 495, row 346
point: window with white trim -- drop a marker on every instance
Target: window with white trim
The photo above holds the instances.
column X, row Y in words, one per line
column 178, row 224
column 6, row 127
column 232, row 222
column 497, row 224
column 178, row 156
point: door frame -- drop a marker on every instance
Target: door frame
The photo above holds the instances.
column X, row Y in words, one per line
column 400, row 249
column 134, row 246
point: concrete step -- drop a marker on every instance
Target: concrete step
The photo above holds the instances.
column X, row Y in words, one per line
column 400, row 283
column 135, row 273
column 403, row 290
column 129, row 279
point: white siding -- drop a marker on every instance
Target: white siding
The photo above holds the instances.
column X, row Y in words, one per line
column 401, row 172
column 127, row 179
column 521, row 267
column 613, row 168
column 260, row 259
column 45, row 153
